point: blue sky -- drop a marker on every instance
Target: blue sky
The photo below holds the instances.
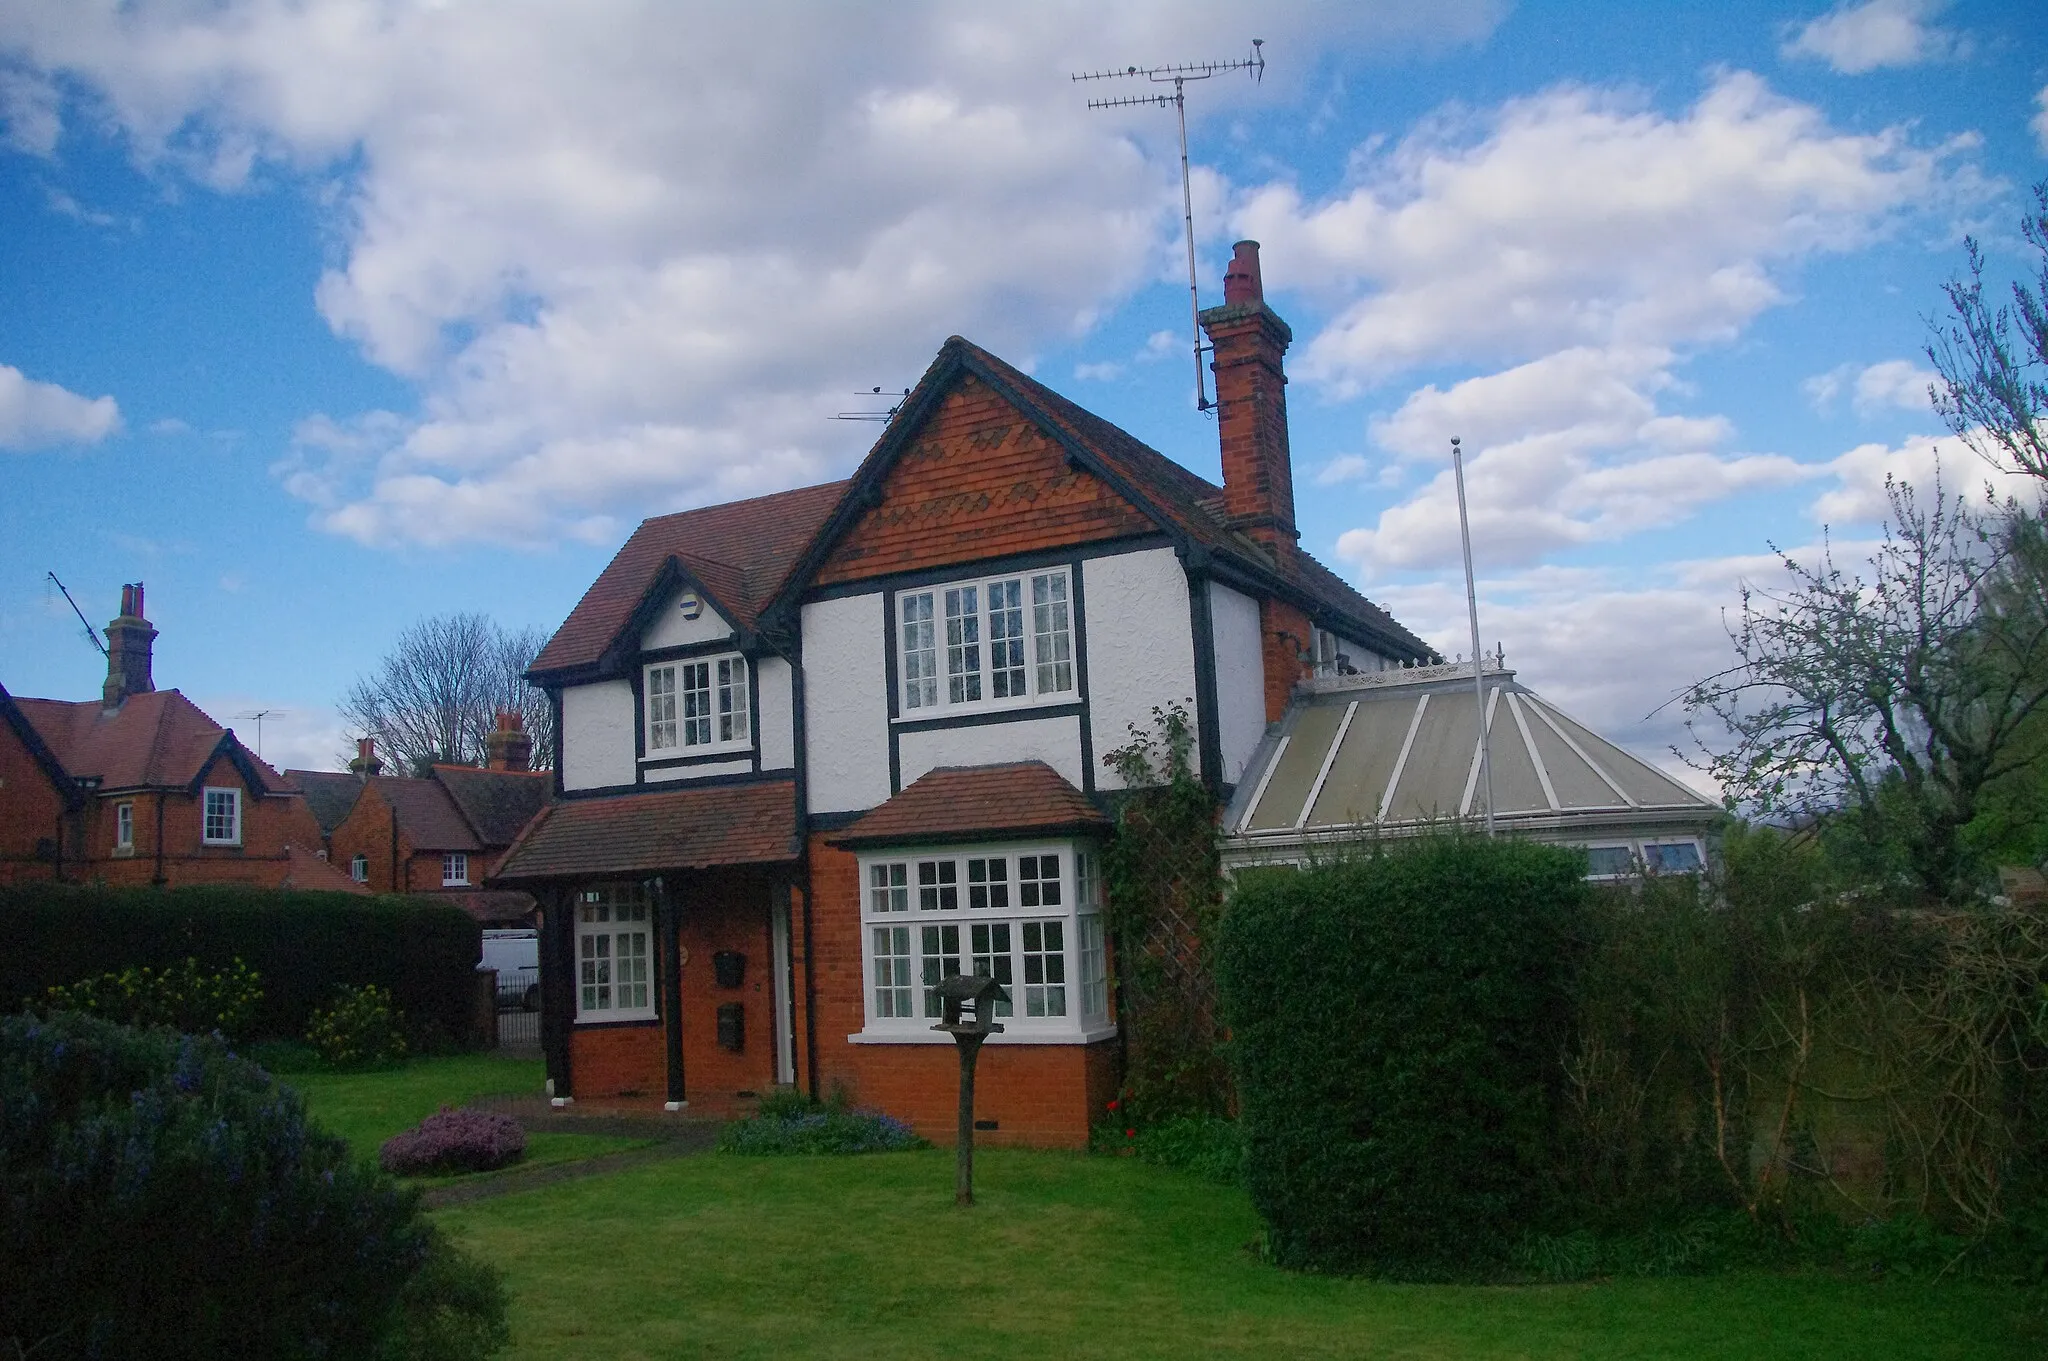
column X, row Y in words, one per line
column 319, row 318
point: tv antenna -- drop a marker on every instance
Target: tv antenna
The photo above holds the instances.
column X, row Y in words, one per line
column 888, row 415
column 1178, row 77
column 259, row 715
column 91, row 634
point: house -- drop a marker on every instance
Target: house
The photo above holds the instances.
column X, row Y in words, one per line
column 1389, row 753
column 840, row 742
column 436, row 834
column 141, row 787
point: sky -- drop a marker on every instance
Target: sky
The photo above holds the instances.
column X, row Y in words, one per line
column 319, row 318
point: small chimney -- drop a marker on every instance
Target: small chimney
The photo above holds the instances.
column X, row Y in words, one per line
column 509, row 746
column 130, row 642
column 1249, row 340
column 366, row 763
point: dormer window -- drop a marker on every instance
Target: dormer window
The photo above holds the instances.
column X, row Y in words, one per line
column 991, row 643
column 698, row 706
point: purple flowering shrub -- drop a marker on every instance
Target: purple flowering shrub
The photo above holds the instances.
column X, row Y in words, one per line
column 462, row 1140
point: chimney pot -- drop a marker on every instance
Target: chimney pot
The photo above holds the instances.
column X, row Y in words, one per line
column 1241, row 281
column 509, row 748
column 366, row 763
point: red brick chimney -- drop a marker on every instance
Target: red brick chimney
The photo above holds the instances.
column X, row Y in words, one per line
column 509, row 746
column 130, row 642
column 1251, row 406
column 366, row 763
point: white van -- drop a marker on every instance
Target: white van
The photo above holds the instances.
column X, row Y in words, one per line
column 515, row 954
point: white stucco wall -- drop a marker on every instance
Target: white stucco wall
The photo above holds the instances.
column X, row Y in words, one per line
column 597, row 735
column 1240, row 677
column 703, row 771
column 846, row 703
column 1055, row 741
column 670, row 629
column 776, row 728
column 1141, row 645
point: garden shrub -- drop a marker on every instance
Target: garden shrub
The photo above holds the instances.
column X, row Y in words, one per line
column 165, row 1198
column 463, row 1140
column 361, row 1030
column 1396, row 1022
column 183, row 996
column 790, row 1122
column 1206, row 1146
column 303, row 945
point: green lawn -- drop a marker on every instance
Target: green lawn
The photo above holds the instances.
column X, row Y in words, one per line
column 368, row 1108
column 1072, row 1256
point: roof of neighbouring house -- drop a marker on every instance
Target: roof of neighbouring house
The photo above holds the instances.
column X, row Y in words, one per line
column 329, row 793
column 497, row 803
column 740, row 552
column 427, row 815
column 307, row 872
column 490, row 906
column 966, row 803
column 157, row 740
column 727, row 824
column 1401, row 747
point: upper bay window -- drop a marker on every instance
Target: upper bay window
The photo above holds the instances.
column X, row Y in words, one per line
column 1028, row 915
column 697, row 706
column 995, row 642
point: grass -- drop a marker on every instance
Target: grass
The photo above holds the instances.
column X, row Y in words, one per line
column 1071, row 1256
column 368, row 1108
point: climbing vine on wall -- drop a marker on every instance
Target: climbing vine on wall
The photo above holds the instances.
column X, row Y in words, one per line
column 1165, row 881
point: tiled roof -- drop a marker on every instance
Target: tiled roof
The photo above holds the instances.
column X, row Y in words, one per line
column 426, row 814
column 329, row 793
column 307, row 872
column 490, row 906
column 155, row 740
column 740, row 552
column 496, row 803
column 959, row 803
column 732, row 824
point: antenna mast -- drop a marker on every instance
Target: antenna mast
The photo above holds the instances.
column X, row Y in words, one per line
column 91, row 634
column 1255, row 64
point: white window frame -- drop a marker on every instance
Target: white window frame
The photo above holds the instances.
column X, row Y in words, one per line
column 124, row 827
column 678, row 723
column 614, row 952
column 949, row 637
column 359, row 868
column 455, row 869
column 1639, row 856
column 233, row 836
column 909, row 934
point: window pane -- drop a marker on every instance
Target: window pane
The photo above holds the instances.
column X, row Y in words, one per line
column 1038, row 881
column 661, row 708
column 1045, row 969
column 1094, row 973
column 988, row 883
column 1609, row 860
column 920, row 653
column 892, row 972
column 963, row 645
column 938, row 885
column 991, row 953
column 941, row 960
column 732, row 699
column 696, row 686
column 1006, row 639
column 1051, row 633
column 888, row 890
column 1674, row 857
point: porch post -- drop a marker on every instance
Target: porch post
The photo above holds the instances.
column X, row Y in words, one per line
column 558, row 984
column 669, row 924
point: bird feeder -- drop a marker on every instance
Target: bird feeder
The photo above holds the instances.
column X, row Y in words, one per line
column 967, row 1004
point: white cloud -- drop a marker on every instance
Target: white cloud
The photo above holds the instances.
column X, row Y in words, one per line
column 34, row 415
column 29, row 118
column 1855, row 39
column 2040, row 121
column 1859, row 494
column 1098, row 373
column 297, row 737
column 1579, row 217
column 634, row 258
column 1892, row 384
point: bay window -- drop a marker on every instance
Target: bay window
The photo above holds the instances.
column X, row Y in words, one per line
column 1000, row 641
column 1025, row 914
column 697, row 705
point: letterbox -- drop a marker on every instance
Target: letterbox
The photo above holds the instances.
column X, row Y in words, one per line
column 732, row 1026
column 728, row 968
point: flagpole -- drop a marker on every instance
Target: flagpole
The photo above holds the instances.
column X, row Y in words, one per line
column 1472, row 614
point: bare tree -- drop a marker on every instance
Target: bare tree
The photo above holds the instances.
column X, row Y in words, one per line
column 1993, row 361
column 1897, row 697
column 437, row 693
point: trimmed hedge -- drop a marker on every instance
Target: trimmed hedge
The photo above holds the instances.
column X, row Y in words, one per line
column 303, row 945
column 1396, row 1024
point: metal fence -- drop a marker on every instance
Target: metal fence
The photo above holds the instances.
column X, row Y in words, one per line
column 518, row 1015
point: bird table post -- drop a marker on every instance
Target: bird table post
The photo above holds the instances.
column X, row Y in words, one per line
column 969, row 1008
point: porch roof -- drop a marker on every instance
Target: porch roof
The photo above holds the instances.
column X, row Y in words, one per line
column 729, row 824
column 966, row 803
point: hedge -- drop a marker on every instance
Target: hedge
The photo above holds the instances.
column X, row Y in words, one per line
column 1396, row 1024
column 303, row 945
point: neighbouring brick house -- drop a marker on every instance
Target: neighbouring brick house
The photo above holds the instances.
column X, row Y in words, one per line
column 820, row 749
column 141, row 787
column 436, row 834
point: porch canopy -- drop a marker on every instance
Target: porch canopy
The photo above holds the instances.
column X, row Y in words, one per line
column 673, row 829
column 953, row 804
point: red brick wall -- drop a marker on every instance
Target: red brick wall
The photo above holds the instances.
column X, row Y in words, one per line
column 367, row 831
column 29, row 809
column 728, row 912
column 1286, row 637
column 618, row 1060
column 978, row 481
column 1041, row 1095
column 269, row 824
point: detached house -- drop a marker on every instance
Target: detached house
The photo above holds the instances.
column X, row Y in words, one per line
column 141, row 787
column 821, row 749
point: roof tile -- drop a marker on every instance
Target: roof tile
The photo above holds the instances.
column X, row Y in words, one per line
column 155, row 740
column 733, row 824
column 960, row 803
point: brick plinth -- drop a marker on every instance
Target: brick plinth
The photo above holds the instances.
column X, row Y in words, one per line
column 618, row 1060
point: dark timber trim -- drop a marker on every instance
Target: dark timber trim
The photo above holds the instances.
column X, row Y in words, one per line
column 558, row 984
column 1202, row 623
column 982, row 718
column 966, row 572
column 671, row 986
